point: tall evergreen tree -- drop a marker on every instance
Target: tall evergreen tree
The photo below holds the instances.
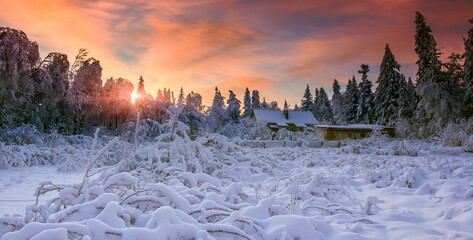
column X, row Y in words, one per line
column 180, row 98
column 217, row 111
column 233, row 107
column 307, row 103
column 286, row 107
column 336, row 87
column 429, row 65
column 437, row 105
column 351, row 100
column 247, row 108
column 141, row 87
column 407, row 99
column 387, row 92
column 468, row 73
column 255, row 102
column 338, row 104
column 324, row 108
column 365, row 109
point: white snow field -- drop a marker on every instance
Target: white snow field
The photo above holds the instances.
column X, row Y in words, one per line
column 212, row 188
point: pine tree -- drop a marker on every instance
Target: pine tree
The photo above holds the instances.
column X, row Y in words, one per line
column 338, row 104
column 306, row 103
column 180, row 98
column 217, row 111
column 437, row 105
column 365, row 109
column 296, row 108
column 351, row 100
column 255, row 102
column 325, row 109
column 286, row 107
column 336, row 87
column 273, row 105
column 468, row 73
column 247, row 108
column 407, row 99
column 387, row 92
column 141, row 87
column 429, row 65
column 233, row 109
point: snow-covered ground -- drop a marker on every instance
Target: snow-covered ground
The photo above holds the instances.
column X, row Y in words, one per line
column 215, row 189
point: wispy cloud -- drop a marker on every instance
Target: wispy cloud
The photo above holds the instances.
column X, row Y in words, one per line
column 275, row 46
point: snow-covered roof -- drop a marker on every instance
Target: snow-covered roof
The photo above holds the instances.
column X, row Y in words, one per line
column 354, row 126
column 304, row 117
column 298, row 118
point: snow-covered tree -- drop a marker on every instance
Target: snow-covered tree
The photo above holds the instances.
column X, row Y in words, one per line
column 247, row 108
column 468, row 73
column 18, row 56
column 338, row 104
column 387, row 92
column 407, row 99
column 180, row 98
column 264, row 104
column 117, row 101
column 429, row 65
column 141, row 87
column 144, row 102
column 365, row 109
column 286, row 107
column 273, row 105
column 217, row 114
column 307, row 104
column 233, row 107
column 437, row 105
column 325, row 113
column 336, row 87
column 193, row 113
column 351, row 100
column 255, row 102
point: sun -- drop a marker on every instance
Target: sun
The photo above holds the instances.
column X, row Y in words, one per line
column 134, row 96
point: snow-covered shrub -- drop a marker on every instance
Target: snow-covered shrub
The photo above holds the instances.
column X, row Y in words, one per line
column 403, row 148
column 469, row 145
column 24, row 135
column 454, row 135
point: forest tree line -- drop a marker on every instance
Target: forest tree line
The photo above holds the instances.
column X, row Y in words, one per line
column 53, row 94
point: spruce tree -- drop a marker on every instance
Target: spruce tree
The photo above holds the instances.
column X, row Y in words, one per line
column 306, row 103
column 407, row 99
column 336, row 87
column 255, row 102
column 217, row 111
column 437, row 105
column 324, row 108
column 429, row 65
column 338, row 104
column 141, row 87
column 180, row 98
column 365, row 109
column 387, row 92
column 233, row 107
column 286, row 107
column 247, row 108
column 351, row 100
column 468, row 73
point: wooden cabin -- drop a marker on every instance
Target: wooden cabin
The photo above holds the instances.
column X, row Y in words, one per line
column 291, row 120
column 355, row 131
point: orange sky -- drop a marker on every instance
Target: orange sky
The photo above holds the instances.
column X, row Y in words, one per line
column 274, row 46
